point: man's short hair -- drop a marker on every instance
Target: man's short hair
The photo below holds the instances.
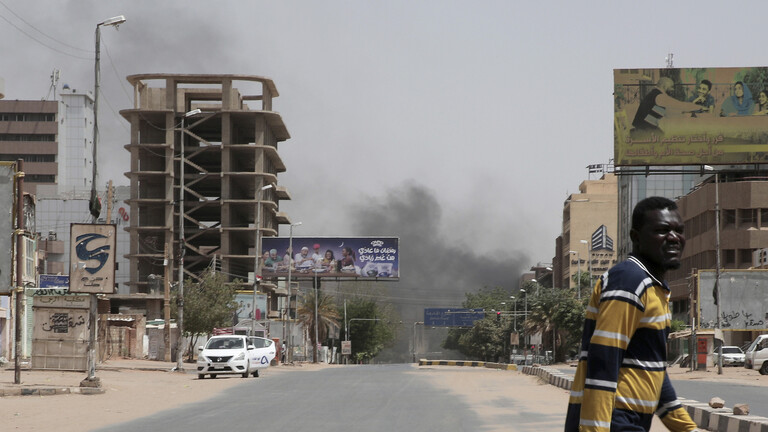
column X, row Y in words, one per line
column 649, row 204
column 708, row 83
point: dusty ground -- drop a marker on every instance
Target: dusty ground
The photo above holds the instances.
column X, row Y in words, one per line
column 132, row 393
column 129, row 394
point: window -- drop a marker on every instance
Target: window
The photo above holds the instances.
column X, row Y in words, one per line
column 729, row 219
column 747, row 218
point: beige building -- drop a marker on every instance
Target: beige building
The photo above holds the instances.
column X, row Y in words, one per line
column 589, row 231
column 203, row 149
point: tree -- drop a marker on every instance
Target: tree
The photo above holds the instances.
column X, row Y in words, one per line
column 327, row 316
column 558, row 315
column 208, row 303
column 371, row 327
column 486, row 338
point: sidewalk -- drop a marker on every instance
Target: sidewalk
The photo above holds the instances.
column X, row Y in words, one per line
column 715, row 419
column 50, row 382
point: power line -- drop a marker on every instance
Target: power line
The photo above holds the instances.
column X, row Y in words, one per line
column 41, row 42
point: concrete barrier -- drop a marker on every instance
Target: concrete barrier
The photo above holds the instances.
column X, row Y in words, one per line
column 715, row 419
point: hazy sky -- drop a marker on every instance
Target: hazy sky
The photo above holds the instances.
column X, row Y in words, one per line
column 491, row 110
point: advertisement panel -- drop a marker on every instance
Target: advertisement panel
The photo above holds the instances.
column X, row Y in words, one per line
column 92, row 258
column 244, row 300
column 332, row 257
column 691, row 116
column 6, row 226
column 743, row 300
column 456, row 317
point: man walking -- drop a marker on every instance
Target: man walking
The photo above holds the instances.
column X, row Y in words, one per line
column 621, row 379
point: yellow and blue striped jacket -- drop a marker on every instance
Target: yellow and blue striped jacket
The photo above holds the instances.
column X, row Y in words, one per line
column 621, row 379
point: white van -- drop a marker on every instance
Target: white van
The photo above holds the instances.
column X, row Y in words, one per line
column 756, row 356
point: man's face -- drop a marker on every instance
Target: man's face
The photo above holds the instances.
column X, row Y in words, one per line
column 304, row 252
column 660, row 241
column 703, row 89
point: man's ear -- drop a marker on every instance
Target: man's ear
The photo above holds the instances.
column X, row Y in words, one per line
column 633, row 235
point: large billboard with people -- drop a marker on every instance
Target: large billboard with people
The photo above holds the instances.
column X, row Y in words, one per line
column 331, row 257
column 692, row 116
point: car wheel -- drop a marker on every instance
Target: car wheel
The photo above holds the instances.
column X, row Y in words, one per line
column 200, row 376
column 213, row 376
column 256, row 373
column 247, row 367
column 764, row 369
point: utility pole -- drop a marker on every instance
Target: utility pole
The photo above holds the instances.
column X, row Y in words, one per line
column 19, row 265
column 167, row 304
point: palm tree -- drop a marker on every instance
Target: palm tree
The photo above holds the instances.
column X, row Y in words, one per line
column 327, row 316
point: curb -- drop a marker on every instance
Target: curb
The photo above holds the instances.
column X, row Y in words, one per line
column 502, row 366
column 715, row 419
column 50, row 391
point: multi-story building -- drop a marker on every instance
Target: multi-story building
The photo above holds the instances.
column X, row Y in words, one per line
column 589, row 230
column 743, row 200
column 53, row 138
column 201, row 158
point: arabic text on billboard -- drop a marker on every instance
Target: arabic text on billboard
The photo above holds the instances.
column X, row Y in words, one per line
column 332, row 257
column 690, row 116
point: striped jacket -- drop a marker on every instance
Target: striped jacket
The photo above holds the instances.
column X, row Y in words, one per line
column 621, row 379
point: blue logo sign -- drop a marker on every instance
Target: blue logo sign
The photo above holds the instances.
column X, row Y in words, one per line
column 99, row 254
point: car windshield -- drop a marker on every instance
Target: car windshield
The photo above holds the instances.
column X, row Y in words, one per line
column 225, row 343
column 731, row 350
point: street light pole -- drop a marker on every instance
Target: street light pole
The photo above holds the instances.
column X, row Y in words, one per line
column 257, row 252
column 182, row 244
column 289, row 355
column 94, row 206
column 718, row 329
column 578, row 272
column 589, row 261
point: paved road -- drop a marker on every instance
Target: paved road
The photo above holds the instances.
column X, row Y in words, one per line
column 373, row 398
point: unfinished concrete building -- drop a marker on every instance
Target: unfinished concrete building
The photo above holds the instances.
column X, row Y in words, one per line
column 203, row 150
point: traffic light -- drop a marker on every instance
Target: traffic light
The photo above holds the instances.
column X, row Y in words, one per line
column 498, row 316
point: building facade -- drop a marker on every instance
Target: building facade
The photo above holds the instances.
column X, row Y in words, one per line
column 743, row 200
column 204, row 173
column 588, row 238
column 53, row 138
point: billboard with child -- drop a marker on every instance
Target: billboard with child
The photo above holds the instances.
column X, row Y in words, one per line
column 692, row 116
column 331, row 257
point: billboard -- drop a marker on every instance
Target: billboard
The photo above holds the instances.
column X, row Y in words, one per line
column 691, row 116
column 456, row 317
column 244, row 300
column 332, row 257
column 92, row 258
column 743, row 300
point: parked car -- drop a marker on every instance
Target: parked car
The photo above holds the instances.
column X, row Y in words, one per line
column 234, row 354
column 756, row 356
column 732, row 356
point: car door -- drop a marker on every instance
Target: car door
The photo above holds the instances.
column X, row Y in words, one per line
column 265, row 350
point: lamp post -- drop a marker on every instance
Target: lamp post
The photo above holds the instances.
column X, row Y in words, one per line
column 589, row 260
column 93, row 205
column 525, row 317
column 182, row 244
column 414, row 338
column 578, row 272
column 718, row 329
column 289, row 355
column 257, row 252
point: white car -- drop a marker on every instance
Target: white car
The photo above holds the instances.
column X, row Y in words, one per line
column 732, row 356
column 234, row 354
